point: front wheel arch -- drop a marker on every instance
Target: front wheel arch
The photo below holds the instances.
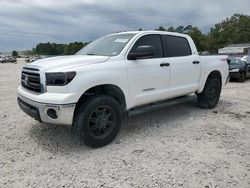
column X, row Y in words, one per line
column 104, row 89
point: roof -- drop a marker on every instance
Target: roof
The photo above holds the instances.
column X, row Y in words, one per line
column 152, row 32
column 234, row 48
column 247, row 45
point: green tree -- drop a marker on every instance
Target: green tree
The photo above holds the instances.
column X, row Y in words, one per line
column 171, row 29
column 14, row 53
column 231, row 30
column 50, row 49
column 72, row 48
column 160, row 28
column 200, row 39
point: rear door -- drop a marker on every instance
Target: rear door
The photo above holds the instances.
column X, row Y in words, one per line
column 185, row 67
column 148, row 78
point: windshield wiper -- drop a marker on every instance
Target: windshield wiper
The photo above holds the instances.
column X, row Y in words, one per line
column 91, row 54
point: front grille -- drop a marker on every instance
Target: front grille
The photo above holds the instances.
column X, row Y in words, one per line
column 31, row 79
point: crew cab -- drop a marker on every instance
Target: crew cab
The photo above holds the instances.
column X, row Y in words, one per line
column 115, row 74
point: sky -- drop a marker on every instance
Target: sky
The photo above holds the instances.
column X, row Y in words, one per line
column 25, row 23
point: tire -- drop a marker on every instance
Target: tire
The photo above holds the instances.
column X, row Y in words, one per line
column 242, row 77
column 210, row 95
column 98, row 120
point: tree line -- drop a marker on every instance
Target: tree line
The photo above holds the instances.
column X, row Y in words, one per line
column 235, row 29
column 55, row 49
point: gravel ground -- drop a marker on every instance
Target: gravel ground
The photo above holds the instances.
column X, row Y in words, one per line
column 178, row 146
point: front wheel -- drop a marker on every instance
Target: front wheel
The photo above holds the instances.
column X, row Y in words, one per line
column 98, row 120
column 210, row 95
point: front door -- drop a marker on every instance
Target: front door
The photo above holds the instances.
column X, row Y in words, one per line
column 148, row 77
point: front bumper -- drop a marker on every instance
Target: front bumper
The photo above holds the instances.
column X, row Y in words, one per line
column 233, row 74
column 48, row 113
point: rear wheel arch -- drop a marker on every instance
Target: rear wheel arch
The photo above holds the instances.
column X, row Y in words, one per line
column 213, row 74
column 210, row 94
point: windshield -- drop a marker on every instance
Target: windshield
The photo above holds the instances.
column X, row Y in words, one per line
column 236, row 61
column 110, row 45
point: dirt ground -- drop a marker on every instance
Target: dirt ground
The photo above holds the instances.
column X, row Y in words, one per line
column 178, row 146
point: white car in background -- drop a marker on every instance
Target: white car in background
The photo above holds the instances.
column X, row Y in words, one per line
column 5, row 59
column 2, row 59
column 246, row 59
column 34, row 59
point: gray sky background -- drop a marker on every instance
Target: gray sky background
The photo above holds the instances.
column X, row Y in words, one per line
column 24, row 23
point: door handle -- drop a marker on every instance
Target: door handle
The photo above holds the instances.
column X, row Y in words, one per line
column 164, row 64
column 196, row 62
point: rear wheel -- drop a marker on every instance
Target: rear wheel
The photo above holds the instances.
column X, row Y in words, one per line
column 98, row 120
column 210, row 95
column 242, row 77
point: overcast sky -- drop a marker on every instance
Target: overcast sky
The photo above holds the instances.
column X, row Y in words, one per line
column 24, row 23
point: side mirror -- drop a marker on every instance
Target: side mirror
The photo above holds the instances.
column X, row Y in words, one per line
column 145, row 51
column 228, row 61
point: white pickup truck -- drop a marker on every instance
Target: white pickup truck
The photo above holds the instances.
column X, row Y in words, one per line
column 114, row 75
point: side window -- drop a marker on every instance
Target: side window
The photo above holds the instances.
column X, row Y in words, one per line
column 176, row 46
column 153, row 40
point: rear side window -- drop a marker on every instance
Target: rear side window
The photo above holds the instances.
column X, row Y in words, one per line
column 176, row 46
column 153, row 40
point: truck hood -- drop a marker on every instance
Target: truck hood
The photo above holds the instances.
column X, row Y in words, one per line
column 68, row 61
column 236, row 66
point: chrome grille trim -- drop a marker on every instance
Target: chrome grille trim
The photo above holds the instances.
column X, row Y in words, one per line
column 30, row 79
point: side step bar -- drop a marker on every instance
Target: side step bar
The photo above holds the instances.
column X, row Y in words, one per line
column 159, row 105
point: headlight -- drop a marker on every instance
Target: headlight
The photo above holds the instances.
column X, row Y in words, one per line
column 59, row 78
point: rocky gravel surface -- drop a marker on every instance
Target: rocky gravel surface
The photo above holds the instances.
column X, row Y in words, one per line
column 177, row 146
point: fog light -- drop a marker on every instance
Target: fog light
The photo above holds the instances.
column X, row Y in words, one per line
column 51, row 113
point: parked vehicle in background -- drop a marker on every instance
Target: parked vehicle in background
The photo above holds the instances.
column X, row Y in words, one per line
column 239, row 68
column 7, row 59
column 246, row 59
column 11, row 59
column 2, row 59
column 34, row 58
column 27, row 59
column 117, row 75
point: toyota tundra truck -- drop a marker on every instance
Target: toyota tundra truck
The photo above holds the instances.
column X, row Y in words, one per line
column 93, row 90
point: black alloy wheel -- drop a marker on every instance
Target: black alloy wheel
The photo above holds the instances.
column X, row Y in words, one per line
column 101, row 121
